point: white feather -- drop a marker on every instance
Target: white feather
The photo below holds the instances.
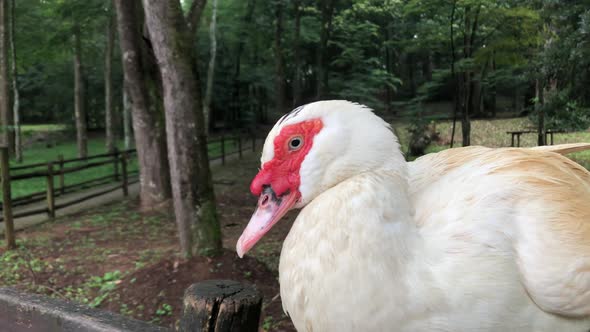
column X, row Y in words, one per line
column 440, row 244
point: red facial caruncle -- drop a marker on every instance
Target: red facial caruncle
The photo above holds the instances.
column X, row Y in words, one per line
column 290, row 148
column 278, row 181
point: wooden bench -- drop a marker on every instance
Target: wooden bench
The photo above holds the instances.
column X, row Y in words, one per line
column 548, row 134
column 517, row 134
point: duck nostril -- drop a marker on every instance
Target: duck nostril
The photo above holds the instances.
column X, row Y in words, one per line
column 264, row 200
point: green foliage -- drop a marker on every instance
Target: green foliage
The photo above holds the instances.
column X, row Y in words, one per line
column 43, row 39
column 359, row 40
column 164, row 310
column 104, row 285
column 562, row 113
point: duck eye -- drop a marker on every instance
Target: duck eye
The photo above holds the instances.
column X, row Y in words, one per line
column 295, row 143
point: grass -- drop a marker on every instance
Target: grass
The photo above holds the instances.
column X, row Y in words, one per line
column 492, row 133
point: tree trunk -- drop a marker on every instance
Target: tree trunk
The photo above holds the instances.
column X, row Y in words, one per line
column 235, row 103
column 327, row 13
column 411, row 78
column 456, row 99
column 5, row 111
column 148, row 123
column 193, row 17
column 108, row 86
column 18, row 149
column 466, row 108
column 493, row 90
column 126, row 119
column 192, row 186
column 539, row 101
column 468, row 84
column 280, row 81
column 297, row 55
column 427, row 66
column 79, row 103
column 389, row 67
column 211, row 68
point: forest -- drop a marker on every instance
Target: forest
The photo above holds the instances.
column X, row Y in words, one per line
column 172, row 80
column 486, row 58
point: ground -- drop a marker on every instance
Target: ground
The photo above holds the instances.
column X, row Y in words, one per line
column 125, row 261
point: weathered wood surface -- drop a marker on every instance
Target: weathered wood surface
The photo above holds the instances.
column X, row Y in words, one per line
column 221, row 306
column 21, row 312
column 6, row 199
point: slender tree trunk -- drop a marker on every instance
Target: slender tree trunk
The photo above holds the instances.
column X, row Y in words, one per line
column 427, row 66
column 471, row 24
column 297, row 55
column 192, row 187
column 456, row 99
column 280, row 81
column 5, row 112
column 493, row 90
column 478, row 90
column 235, row 104
column 127, row 131
column 108, row 86
column 411, row 78
column 539, row 101
column 388, row 67
column 211, row 68
column 18, row 149
column 148, row 122
column 79, row 103
column 327, row 14
column 466, row 82
column 193, row 17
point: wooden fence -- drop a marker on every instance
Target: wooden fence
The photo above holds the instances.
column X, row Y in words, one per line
column 55, row 171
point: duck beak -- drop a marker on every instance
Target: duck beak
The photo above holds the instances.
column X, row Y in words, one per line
column 269, row 211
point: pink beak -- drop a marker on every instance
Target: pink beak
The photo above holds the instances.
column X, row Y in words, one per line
column 269, row 211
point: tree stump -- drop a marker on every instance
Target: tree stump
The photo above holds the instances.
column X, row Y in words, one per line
column 221, row 306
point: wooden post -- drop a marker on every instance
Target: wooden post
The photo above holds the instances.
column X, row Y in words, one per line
column 6, row 199
column 50, row 191
column 512, row 143
column 222, row 150
column 62, row 182
column 221, row 306
column 518, row 140
column 116, row 164
column 240, row 146
column 125, row 184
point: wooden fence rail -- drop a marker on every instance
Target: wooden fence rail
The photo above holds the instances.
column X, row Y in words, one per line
column 50, row 173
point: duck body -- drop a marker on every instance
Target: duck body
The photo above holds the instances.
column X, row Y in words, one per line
column 467, row 239
column 380, row 263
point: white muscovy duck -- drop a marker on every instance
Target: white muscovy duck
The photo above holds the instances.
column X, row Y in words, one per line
column 468, row 239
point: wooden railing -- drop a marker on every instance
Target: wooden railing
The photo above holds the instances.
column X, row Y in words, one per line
column 55, row 171
column 58, row 169
column 237, row 145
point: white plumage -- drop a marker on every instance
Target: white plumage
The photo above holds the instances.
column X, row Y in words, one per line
column 468, row 239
